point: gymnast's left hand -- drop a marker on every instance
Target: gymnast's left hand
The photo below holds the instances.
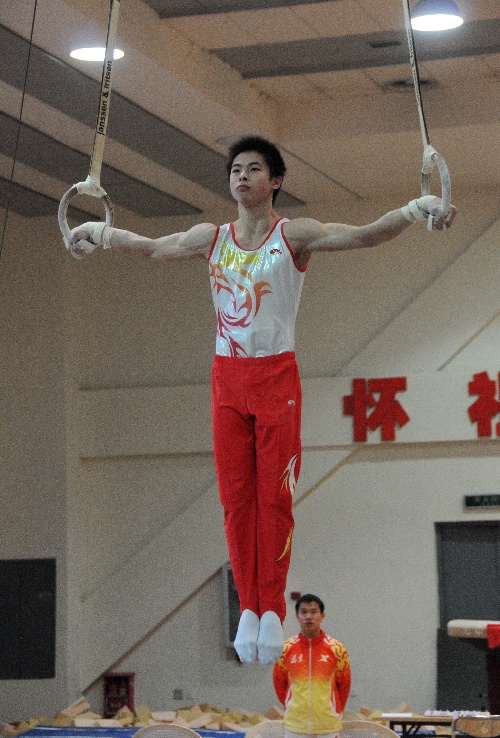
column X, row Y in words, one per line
column 441, row 222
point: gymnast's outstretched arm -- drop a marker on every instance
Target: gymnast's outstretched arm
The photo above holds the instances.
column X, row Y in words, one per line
column 196, row 241
column 306, row 235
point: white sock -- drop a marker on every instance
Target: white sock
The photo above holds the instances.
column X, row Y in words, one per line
column 270, row 641
column 245, row 642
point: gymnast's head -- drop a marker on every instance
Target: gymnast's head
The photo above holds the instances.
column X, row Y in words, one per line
column 269, row 152
column 308, row 599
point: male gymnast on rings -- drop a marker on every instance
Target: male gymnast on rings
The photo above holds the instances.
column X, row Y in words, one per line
column 257, row 266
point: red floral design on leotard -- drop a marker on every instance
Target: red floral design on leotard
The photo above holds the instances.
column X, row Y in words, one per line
column 230, row 273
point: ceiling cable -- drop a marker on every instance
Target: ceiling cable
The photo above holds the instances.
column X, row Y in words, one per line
column 10, row 183
column 431, row 157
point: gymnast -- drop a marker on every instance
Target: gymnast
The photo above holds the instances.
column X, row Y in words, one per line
column 257, row 265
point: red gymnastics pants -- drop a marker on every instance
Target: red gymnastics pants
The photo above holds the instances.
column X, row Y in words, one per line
column 256, row 413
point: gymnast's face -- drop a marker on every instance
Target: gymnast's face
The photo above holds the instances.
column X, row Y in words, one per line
column 310, row 618
column 250, row 180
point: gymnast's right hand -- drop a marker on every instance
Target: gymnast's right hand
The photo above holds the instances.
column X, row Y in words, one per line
column 80, row 242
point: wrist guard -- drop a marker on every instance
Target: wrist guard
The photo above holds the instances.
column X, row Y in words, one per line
column 418, row 210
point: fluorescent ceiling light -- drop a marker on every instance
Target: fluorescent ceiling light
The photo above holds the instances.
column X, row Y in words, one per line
column 95, row 53
column 435, row 15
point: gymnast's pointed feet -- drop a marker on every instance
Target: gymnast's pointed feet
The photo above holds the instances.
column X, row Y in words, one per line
column 245, row 642
column 270, row 641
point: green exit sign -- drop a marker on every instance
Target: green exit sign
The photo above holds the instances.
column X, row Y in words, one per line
column 472, row 501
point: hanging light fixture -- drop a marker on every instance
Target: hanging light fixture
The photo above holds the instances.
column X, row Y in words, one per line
column 435, row 15
column 94, row 53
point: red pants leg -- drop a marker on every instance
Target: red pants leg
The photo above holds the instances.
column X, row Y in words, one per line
column 234, row 449
column 256, row 406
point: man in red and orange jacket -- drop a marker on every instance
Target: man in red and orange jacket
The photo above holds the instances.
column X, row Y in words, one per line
column 312, row 678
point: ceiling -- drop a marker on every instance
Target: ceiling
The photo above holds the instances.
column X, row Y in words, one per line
column 329, row 81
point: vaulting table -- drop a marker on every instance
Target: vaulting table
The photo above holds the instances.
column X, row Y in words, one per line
column 488, row 629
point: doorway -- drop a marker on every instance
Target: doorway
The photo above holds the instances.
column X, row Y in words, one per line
column 468, row 556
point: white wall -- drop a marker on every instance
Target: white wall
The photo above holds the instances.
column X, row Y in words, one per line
column 137, row 528
column 32, row 432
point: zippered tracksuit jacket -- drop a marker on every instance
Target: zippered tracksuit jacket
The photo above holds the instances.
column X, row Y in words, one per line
column 312, row 679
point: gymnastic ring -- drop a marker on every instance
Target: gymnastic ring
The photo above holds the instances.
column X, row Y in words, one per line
column 62, row 214
column 431, row 159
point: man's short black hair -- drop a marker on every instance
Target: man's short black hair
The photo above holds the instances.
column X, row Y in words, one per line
column 269, row 151
column 310, row 598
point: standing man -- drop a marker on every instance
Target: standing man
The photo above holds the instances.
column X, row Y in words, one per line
column 312, row 677
column 257, row 266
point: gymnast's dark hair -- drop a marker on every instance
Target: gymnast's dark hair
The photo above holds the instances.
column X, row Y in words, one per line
column 268, row 150
column 310, row 598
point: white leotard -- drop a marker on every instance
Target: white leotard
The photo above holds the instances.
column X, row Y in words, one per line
column 256, row 294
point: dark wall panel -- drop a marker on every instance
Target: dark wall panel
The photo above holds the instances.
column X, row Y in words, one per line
column 27, row 618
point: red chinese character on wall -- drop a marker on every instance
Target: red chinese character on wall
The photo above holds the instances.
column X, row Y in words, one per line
column 484, row 409
column 388, row 412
